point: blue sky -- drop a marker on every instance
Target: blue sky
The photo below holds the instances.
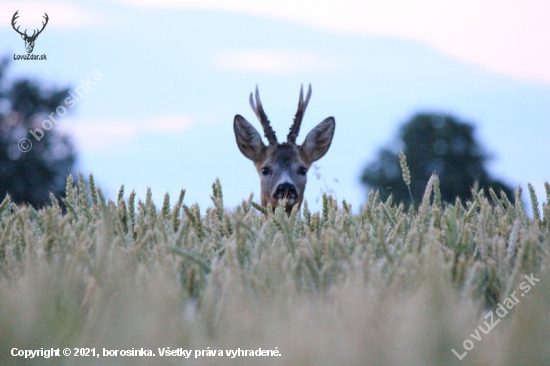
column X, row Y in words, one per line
column 176, row 73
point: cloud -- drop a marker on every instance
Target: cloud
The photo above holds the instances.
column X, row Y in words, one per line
column 274, row 62
column 508, row 37
column 62, row 15
column 96, row 136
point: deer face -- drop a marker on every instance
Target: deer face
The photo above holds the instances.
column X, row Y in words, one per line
column 29, row 42
column 283, row 167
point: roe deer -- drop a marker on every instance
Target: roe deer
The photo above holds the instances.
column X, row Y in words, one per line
column 283, row 167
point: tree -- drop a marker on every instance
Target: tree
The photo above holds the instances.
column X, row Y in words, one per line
column 29, row 177
column 433, row 143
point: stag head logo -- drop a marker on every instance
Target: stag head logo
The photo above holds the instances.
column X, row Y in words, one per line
column 29, row 40
column 283, row 167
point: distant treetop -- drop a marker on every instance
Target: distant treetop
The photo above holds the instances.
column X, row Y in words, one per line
column 30, row 176
column 433, row 143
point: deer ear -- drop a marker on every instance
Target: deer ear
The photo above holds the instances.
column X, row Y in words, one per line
column 248, row 139
column 318, row 140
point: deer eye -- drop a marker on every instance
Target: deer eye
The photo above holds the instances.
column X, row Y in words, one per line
column 302, row 171
column 266, row 171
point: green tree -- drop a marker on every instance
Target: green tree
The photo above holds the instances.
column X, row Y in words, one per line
column 433, row 143
column 30, row 176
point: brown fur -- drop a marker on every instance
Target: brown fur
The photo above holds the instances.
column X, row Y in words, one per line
column 285, row 162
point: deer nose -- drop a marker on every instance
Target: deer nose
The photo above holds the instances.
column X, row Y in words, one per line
column 285, row 190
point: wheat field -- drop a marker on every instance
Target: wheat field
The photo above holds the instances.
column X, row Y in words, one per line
column 387, row 285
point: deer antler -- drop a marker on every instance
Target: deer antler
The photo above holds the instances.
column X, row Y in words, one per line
column 34, row 34
column 259, row 110
column 43, row 25
column 302, row 105
column 15, row 16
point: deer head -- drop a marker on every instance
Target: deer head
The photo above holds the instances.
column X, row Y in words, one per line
column 282, row 167
column 29, row 40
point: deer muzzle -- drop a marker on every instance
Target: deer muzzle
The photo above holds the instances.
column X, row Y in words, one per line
column 286, row 191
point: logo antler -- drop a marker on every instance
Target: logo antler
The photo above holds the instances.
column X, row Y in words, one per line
column 43, row 26
column 15, row 16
